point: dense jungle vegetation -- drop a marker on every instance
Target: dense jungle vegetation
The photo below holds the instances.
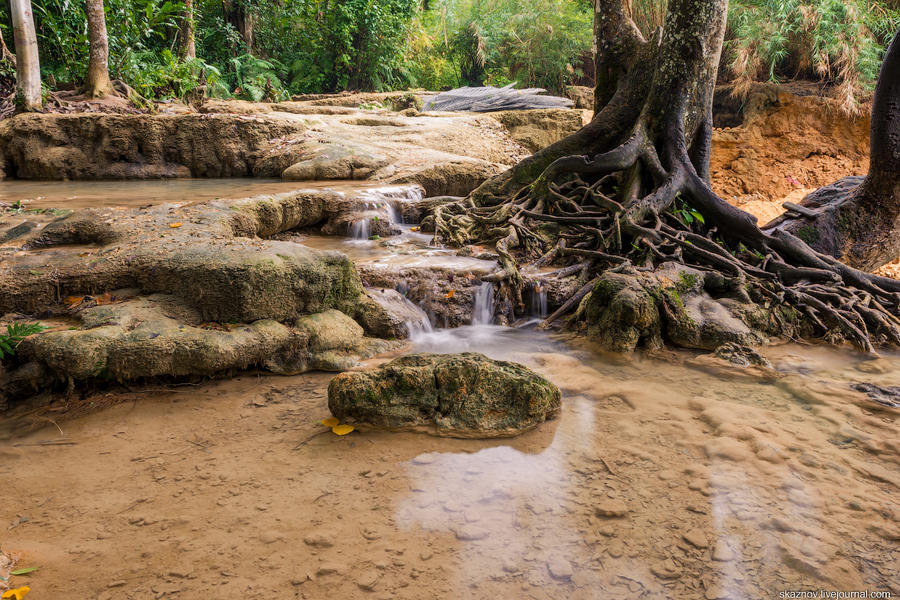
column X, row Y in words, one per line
column 270, row 50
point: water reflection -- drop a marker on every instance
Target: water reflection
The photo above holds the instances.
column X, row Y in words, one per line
column 133, row 193
column 718, row 488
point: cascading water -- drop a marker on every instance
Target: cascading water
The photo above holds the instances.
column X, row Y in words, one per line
column 539, row 300
column 416, row 328
column 483, row 313
column 415, row 319
column 388, row 198
column 360, row 230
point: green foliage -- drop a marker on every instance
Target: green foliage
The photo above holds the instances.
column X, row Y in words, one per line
column 538, row 43
column 314, row 46
column 15, row 333
column 333, row 46
column 686, row 212
column 134, row 27
column 163, row 76
column 837, row 41
column 257, row 79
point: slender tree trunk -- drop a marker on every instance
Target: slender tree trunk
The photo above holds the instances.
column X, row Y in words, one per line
column 858, row 219
column 28, row 68
column 97, row 84
column 186, row 32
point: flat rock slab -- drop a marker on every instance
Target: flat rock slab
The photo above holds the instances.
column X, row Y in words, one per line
column 455, row 395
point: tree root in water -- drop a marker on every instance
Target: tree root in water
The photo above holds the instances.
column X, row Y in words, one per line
column 624, row 209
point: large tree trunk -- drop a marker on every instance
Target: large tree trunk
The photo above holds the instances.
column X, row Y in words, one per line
column 629, row 193
column 188, row 49
column 241, row 18
column 97, row 83
column 28, row 68
column 858, row 219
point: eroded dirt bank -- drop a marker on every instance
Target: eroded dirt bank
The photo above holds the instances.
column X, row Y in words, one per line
column 659, row 480
column 775, row 146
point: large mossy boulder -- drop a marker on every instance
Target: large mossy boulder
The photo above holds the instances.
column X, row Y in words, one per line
column 685, row 306
column 455, row 395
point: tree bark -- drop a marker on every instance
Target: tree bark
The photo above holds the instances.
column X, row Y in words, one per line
column 28, row 68
column 857, row 220
column 188, row 48
column 97, row 83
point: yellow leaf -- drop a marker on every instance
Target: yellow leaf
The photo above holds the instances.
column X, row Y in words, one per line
column 342, row 429
column 17, row 594
column 74, row 300
column 175, row 225
column 450, row 294
column 330, row 422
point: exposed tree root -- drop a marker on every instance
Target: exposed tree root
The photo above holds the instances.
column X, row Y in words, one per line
column 623, row 207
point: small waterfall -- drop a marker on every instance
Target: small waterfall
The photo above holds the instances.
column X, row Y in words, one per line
column 360, row 230
column 399, row 306
column 416, row 328
column 539, row 300
column 390, row 197
column 484, row 305
column 393, row 217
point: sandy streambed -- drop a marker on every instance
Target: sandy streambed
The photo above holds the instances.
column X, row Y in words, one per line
column 659, row 480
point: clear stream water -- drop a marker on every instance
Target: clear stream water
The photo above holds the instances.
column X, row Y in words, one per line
column 665, row 476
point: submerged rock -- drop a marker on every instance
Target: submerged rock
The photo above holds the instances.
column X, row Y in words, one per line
column 455, row 395
column 742, row 356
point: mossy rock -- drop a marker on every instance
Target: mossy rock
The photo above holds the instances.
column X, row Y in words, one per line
column 457, row 395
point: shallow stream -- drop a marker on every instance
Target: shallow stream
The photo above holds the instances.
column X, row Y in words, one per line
column 665, row 477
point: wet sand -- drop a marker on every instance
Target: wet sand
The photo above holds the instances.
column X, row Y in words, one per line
column 659, row 480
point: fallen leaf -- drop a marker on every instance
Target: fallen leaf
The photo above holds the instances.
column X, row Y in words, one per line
column 450, row 294
column 342, row 429
column 330, row 422
column 17, row 593
column 175, row 225
column 24, row 571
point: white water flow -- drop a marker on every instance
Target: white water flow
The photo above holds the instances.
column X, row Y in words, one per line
column 360, row 230
column 389, row 198
column 421, row 324
column 484, row 305
column 539, row 301
column 414, row 318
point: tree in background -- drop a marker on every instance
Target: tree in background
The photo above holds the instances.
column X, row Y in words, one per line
column 187, row 45
column 28, row 68
column 5, row 54
column 241, row 15
column 255, row 50
column 97, row 83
